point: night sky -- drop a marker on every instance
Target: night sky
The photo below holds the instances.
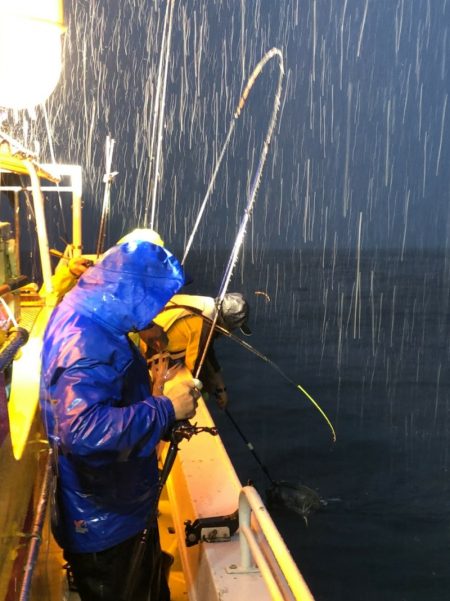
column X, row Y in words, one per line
column 361, row 153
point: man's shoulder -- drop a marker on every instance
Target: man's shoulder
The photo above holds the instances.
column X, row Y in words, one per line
column 71, row 337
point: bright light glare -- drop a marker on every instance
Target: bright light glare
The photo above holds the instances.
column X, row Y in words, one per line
column 30, row 60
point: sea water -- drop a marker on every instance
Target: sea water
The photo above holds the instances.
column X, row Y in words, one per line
column 368, row 337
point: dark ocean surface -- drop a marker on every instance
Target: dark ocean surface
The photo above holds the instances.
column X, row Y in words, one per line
column 368, row 337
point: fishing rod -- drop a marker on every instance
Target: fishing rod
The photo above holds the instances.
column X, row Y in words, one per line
column 107, row 180
column 182, row 430
column 274, row 52
column 158, row 110
column 240, row 105
column 161, row 115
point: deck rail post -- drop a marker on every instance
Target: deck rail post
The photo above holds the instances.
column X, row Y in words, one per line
column 261, row 543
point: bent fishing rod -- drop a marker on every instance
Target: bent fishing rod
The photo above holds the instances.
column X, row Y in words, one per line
column 184, row 429
column 274, row 52
column 232, row 261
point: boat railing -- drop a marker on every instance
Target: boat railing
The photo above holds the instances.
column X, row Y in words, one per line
column 74, row 173
column 268, row 552
column 52, row 173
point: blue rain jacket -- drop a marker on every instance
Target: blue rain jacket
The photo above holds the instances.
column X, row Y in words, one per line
column 100, row 417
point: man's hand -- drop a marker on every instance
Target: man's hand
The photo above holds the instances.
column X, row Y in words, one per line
column 184, row 396
column 78, row 265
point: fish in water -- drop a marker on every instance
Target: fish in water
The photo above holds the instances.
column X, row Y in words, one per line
column 296, row 497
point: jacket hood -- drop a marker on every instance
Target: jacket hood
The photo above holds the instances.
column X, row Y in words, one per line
column 128, row 287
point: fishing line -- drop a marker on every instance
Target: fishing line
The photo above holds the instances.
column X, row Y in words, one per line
column 282, row 374
column 250, row 446
column 274, row 52
column 258, row 354
column 240, row 105
column 297, row 497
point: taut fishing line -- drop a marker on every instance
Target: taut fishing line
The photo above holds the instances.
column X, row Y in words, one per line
column 282, row 374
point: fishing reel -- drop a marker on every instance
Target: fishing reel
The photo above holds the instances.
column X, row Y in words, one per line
column 181, row 430
column 185, row 430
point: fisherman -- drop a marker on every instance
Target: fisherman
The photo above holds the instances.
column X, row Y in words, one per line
column 186, row 321
column 66, row 275
column 102, row 422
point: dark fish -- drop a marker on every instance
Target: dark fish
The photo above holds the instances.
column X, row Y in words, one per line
column 299, row 498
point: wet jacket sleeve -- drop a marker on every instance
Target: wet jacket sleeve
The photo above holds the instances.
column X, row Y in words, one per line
column 88, row 420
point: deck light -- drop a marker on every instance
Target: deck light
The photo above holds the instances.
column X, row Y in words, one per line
column 30, row 51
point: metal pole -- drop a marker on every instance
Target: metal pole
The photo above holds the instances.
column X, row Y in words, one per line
column 38, row 202
column 36, row 531
column 161, row 114
column 107, row 179
column 77, row 237
column 17, row 229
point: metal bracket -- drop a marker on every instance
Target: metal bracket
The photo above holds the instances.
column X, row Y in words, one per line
column 234, row 569
column 215, row 529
